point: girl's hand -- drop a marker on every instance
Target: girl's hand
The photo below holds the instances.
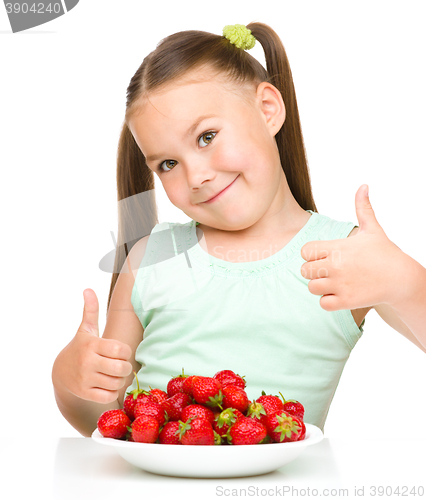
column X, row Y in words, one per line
column 91, row 367
column 360, row 271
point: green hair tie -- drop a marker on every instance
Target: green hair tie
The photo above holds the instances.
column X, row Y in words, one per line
column 240, row 36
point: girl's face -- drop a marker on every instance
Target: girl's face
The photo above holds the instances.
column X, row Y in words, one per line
column 205, row 136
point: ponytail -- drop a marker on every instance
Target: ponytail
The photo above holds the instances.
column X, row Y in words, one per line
column 137, row 215
column 289, row 139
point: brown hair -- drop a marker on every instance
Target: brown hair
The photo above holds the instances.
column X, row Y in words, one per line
column 173, row 57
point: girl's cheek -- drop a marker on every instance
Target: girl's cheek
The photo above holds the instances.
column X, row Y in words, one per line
column 231, row 159
column 173, row 192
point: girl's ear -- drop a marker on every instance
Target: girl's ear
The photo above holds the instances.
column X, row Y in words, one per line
column 272, row 106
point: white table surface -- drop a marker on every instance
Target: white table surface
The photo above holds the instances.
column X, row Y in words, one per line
column 79, row 468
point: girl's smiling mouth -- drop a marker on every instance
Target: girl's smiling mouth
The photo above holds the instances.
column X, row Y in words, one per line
column 221, row 192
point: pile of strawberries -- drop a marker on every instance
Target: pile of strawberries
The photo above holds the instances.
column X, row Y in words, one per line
column 198, row 410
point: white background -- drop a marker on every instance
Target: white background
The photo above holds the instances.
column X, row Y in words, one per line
column 358, row 69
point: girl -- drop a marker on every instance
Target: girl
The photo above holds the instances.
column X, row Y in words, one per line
column 237, row 287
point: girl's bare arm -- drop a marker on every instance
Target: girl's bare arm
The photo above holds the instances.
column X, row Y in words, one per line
column 90, row 375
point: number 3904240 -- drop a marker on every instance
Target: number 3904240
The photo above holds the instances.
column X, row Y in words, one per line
column 397, row 491
column 35, row 8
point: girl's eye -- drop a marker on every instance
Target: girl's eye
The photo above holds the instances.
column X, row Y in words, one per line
column 168, row 164
column 206, row 139
column 203, row 141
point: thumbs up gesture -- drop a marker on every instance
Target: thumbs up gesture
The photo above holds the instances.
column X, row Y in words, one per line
column 359, row 271
column 94, row 368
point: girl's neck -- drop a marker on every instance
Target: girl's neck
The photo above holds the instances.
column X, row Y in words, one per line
column 273, row 231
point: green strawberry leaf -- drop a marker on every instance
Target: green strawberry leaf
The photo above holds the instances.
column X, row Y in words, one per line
column 215, row 400
column 217, row 438
column 183, row 427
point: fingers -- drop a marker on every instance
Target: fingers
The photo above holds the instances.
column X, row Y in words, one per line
column 114, row 367
column 322, row 286
column 331, row 303
column 90, row 322
column 315, row 270
column 315, row 250
column 114, row 349
column 105, row 389
column 101, row 396
column 107, row 383
column 101, row 380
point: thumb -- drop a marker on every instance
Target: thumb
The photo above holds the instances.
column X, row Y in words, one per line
column 90, row 312
column 364, row 211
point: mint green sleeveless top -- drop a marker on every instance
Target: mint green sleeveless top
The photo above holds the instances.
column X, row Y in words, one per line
column 258, row 318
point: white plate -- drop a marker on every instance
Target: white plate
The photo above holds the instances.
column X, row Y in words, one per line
column 211, row 461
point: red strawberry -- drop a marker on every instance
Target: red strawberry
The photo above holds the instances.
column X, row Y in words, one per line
column 247, row 431
column 207, row 390
column 145, row 429
column 257, row 411
column 283, row 427
column 303, row 433
column 170, row 433
column 192, row 411
column 146, row 407
column 228, row 377
column 198, row 431
column 158, row 395
column 270, row 403
column 235, row 397
column 113, row 424
column 129, row 402
column 294, row 407
column 187, row 385
column 224, row 420
column 174, row 405
column 175, row 385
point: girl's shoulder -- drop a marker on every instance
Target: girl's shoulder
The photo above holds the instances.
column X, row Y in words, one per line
column 173, row 226
column 327, row 228
column 166, row 240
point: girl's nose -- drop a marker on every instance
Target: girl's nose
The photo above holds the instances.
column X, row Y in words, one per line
column 198, row 172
